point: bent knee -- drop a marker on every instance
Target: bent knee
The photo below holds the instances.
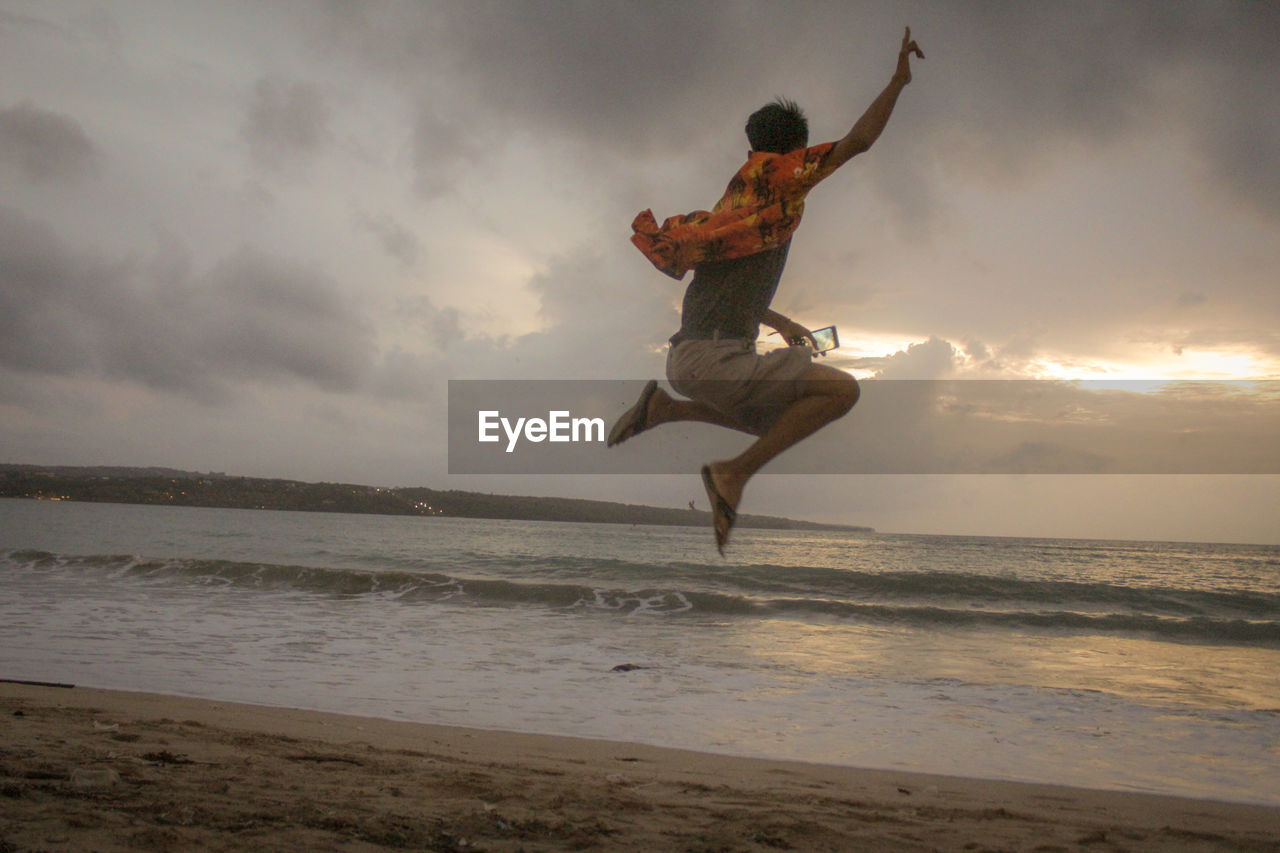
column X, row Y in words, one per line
column 848, row 393
column 840, row 387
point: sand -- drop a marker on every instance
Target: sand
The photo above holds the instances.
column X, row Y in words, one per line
column 85, row 769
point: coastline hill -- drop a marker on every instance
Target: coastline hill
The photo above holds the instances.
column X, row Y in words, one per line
column 167, row 486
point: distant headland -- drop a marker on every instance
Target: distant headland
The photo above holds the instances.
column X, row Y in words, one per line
column 166, row 486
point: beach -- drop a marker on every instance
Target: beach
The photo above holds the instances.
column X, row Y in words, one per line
column 86, row 769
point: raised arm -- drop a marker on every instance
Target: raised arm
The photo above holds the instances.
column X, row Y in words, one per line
column 868, row 128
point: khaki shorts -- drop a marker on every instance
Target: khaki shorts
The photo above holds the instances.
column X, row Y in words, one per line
column 729, row 376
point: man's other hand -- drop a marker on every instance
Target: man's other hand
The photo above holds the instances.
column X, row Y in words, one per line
column 909, row 47
column 795, row 334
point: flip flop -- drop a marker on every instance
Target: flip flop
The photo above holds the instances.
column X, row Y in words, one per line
column 720, row 510
column 634, row 420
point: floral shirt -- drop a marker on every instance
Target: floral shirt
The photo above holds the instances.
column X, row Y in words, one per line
column 760, row 210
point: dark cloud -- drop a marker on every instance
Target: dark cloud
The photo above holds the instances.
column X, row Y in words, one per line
column 1079, row 69
column 1226, row 60
column 1007, row 86
column 39, row 289
column 624, row 71
column 1241, row 134
column 639, row 76
column 286, row 120
column 46, row 146
column 1022, row 80
column 396, row 240
column 614, row 67
column 252, row 317
column 442, row 151
column 264, row 316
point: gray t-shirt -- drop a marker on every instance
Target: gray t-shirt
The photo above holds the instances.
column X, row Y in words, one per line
column 726, row 299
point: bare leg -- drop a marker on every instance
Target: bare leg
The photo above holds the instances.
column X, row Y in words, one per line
column 830, row 394
column 665, row 409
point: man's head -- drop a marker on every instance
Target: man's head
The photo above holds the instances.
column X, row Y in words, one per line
column 778, row 127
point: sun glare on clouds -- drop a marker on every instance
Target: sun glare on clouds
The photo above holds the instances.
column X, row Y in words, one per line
column 1189, row 365
column 865, row 355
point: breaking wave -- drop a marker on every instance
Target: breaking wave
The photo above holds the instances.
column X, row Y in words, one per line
column 921, row 599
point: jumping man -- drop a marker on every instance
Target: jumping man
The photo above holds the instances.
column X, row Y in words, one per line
column 737, row 252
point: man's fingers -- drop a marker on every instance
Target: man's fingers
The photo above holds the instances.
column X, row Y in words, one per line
column 909, row 46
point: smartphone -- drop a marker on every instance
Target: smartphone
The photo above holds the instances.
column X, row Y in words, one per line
column 826, row 338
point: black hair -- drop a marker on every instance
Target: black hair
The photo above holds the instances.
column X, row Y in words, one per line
column 778, row 127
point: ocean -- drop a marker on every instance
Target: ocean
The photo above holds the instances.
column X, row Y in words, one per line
column 1135, row 666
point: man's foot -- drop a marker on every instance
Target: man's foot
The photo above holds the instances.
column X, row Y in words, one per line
column 634, row 420
column 723, row 492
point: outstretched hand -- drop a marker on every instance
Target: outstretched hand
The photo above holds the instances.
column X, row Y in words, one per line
column 904, row 57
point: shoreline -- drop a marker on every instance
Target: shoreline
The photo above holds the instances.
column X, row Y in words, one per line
column 92, row 769
column 166, row 487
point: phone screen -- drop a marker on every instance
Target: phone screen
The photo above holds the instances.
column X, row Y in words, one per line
column 826, row 338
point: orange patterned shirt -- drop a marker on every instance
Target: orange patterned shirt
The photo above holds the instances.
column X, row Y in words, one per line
column 760, row 210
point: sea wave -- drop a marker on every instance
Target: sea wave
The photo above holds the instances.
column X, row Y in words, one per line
column 910, row 599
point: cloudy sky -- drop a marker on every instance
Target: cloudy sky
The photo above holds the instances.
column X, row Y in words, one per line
column 260, row 238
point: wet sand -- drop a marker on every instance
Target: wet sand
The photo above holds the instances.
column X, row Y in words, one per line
column 84, row 769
